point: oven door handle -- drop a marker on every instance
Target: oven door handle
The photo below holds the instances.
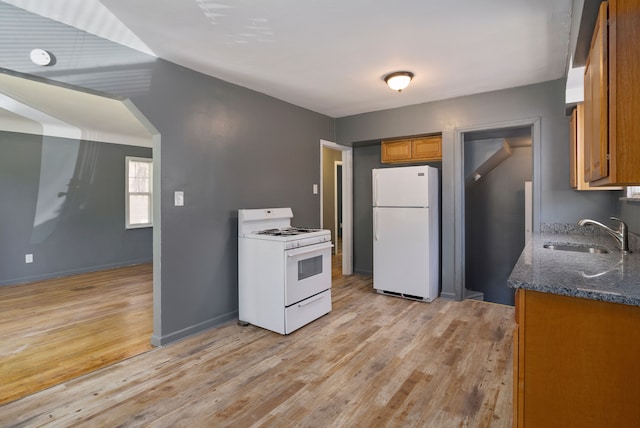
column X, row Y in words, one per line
column 309, row 301
column 309, row 249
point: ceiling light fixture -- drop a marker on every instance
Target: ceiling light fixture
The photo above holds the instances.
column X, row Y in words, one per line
column 41, row 57
column 398, row 80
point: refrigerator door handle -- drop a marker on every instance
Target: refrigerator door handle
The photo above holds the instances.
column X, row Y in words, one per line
column 375, row 225
column 375, row 190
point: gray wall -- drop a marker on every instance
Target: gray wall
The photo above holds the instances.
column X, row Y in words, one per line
column 365, row 159
column 544, row 101
column 629, row 212
column 63, row 202
column 228, row 147
column 494, row 221
column 225, row 146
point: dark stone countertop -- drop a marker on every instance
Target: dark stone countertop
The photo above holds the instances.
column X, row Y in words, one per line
column 610, row 277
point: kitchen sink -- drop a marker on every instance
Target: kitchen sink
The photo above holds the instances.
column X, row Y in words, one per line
column 577, row 248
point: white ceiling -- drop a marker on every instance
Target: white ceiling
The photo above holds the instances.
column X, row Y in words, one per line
column 330, row 56
column 32, row 107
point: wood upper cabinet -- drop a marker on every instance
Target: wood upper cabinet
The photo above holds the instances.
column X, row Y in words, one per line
column 596, row 102
column 612, row 106
column 575, row 362
column 419, row 149
column 427, row 148
column 579, row 155
column 573, row 147
column 396, row 151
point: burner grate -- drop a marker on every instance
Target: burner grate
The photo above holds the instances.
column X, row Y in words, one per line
column 288, row 231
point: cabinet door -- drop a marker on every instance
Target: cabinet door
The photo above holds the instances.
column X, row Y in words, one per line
column 427, row 148
column 579, row 155
column 396, row 151
column 624, row 91
column 573, row 147
column 597, row 101
column 587, row 125
column 578, row 362
column 518, row 361
column 611, row 96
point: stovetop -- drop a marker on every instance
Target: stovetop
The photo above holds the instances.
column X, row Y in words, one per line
column 287, row 231
column 292, row 237
column 274, row 224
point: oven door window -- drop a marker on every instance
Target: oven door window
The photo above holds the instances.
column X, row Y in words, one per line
column 309, row 267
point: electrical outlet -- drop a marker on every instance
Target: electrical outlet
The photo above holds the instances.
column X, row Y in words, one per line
column 28, row 258
column 315, row 189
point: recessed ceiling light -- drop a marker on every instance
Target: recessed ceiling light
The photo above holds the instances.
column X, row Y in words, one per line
column 398, row 80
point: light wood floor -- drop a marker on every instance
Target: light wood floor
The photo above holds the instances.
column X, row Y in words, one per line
column 55, row 330
column 373, row 361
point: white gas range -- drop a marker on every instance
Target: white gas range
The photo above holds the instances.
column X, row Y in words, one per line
column 284, row 272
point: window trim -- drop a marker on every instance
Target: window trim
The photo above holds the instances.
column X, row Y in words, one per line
column 632, row 197
column 127, row 194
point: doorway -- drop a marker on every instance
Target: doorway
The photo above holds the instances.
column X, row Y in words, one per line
column 336, row 202
column 497, row 164
column 67, row 188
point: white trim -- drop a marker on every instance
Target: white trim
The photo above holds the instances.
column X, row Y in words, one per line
column 156, row 154
column 632, row 193
column 335, row 199
column 347, row 202
column 156, row 337
column 528, row 210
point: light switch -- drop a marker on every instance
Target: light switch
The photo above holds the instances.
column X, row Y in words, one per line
column 315, row 189
column 178, row 198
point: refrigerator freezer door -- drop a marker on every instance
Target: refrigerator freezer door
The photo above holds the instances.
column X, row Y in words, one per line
column 403, row 186
column 405, row 259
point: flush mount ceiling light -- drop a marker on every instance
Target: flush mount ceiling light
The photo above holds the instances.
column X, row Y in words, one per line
column 398, row 80
column 41, row 57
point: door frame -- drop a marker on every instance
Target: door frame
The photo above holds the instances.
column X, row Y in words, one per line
column 347, row 201
column 457, row 292
column 336, row 223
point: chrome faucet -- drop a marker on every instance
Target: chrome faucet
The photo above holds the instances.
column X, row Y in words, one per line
column 621, row 235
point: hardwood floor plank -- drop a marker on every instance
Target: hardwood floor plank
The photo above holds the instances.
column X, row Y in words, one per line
column 57, row 329
column 374, row 360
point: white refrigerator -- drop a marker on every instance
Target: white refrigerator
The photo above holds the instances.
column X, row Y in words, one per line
column 406, row 232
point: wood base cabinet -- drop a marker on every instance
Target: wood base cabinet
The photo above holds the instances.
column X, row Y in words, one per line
column 576, row 362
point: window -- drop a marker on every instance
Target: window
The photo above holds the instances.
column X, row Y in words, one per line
column 138, row 192
column 633, row 192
